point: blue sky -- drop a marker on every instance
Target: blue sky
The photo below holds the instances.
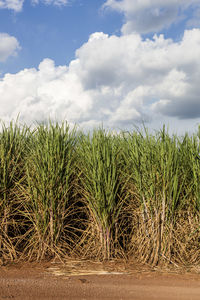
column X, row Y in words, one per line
column 53, row 31
column 120, row 62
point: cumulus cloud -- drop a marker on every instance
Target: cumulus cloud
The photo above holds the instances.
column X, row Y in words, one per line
column 145, row 16
column 40, row 93
column 114, row 80
column 8, row 46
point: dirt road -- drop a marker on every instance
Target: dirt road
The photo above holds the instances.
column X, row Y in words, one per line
column 44, row 281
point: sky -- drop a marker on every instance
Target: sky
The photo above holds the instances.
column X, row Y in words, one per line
column 120, row 63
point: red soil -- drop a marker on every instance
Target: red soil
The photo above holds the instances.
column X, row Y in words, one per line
column 38, row 281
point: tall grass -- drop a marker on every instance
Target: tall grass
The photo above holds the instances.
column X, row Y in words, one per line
column 154, row 171
column 48, row 189
column 163, row 174
column 101, row 187
column 12, row 147
column 99, row 195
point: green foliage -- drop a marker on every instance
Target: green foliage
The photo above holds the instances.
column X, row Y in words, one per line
column 101, row 185
column 12, row 147
column 48, row 187
column 99, row 194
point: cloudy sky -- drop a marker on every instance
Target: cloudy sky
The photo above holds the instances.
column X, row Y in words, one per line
column 116, row 62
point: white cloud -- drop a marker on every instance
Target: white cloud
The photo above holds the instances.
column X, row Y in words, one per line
column 17, row 5
column 114, row 80
column 145, row 16
column 8, row 46
column 12, row 4
column 56, row 2
column 39, row 94
column 51, row 2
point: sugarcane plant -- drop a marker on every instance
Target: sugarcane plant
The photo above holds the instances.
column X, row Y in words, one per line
column 100, row 186
column 154, row 166
column 12, row 147
column 47, row 191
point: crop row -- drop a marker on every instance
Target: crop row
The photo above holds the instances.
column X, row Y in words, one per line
column 99, row 195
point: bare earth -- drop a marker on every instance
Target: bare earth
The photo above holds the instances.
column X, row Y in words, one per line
column 86, row 280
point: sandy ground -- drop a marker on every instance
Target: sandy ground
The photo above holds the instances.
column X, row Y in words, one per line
column 84, row 280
